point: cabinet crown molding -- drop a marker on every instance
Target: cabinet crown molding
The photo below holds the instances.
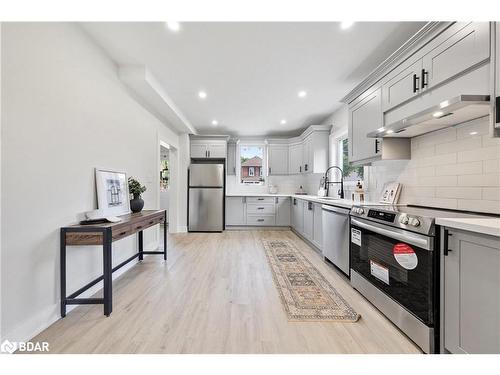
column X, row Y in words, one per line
column 423, row 36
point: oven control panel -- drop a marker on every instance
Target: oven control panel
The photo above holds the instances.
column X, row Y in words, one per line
column 381, row 215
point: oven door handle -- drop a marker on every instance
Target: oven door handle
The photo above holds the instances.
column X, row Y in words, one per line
column 423, row 242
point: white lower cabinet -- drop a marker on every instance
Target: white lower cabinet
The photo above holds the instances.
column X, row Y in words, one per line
column 470, row 293
column 283, row 212
column 257, row 211
column 308, row 220
column 297, row 214
column 236, row 211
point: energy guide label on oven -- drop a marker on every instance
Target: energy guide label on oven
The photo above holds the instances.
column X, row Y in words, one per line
column 405, row 256
column 379, row 271
column 356, row 236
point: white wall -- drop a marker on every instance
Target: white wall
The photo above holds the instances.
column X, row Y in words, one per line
column 64, row 113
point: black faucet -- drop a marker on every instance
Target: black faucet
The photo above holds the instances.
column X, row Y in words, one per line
column 341, row 182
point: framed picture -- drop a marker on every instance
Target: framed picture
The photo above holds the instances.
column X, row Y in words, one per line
column 390, row 193
column 112, row 192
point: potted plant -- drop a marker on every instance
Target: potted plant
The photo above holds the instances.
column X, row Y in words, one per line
column 136, row 189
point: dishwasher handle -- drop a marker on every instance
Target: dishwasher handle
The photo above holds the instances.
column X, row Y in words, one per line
column 338, row 210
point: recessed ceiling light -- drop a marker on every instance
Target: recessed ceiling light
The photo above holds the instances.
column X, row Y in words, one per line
column 202, row 94
column 283, row 122
column 302, row 94
column 438, row 114
column 473, row 133
column 215, row 122
column 346, row 24
column 389, row 132
column 174, row 26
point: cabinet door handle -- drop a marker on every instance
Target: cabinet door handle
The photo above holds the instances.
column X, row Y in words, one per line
column 269, row 170
column 260, row 208
column 260, row 219
column 376, row 146
column 300, row 168
column 446, row 250
column 305, row 167
column 497, row 105
column 309, row 206
column 424, row 76
column 260, row 199
column 415, row 83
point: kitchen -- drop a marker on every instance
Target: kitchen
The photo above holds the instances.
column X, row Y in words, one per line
column 421, row 126
column 297, row 199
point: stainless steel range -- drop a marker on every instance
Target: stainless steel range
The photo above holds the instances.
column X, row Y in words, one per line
column 394, row 262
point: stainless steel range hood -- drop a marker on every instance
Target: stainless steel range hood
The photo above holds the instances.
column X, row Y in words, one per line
column 447, row 113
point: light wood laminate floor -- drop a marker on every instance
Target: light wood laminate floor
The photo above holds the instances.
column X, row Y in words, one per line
column 216, row 294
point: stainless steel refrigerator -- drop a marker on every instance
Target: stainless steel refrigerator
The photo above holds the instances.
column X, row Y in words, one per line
column 206, row 197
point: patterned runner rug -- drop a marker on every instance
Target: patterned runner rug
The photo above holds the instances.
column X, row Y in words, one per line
column 306, row 295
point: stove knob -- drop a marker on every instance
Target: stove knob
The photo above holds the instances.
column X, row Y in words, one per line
column 404, row 219
column 414, row 222
column 360, row 211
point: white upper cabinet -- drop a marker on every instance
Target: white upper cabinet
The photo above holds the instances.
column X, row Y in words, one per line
column 365, row 116
column 277, row 159
column 231, row 158
column 306, row 155
column 468, row 45
column 401, row 84
column 295, row 158
column 208, row 149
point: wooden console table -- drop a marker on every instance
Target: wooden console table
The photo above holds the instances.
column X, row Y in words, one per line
column 105, row 234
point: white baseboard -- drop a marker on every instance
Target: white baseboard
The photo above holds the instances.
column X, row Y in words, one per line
column 181, row 229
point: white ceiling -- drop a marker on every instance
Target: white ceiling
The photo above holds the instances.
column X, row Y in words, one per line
column 252, row 72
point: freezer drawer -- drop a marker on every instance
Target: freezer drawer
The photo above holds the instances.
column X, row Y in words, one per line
column 205, row 209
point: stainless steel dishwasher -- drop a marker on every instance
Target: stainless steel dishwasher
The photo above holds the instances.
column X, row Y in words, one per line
column 336, row 236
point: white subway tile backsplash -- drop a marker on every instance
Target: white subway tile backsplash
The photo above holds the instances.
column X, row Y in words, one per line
column 485, row 153
column 450, row 168
column 437, row 160
column 437, row 181
column 492, row 179
column 491, row 193
column 479, row 205
column 491, row 166
column 470, row 143
column 458, row 192
column 448, row 203
column 474, row 167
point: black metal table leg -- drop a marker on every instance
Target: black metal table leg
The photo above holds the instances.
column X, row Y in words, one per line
column 108, row 272
column 141, row 245
column 63, row 272
column 165, row 236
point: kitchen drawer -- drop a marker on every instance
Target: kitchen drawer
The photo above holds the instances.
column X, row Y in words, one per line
column 261, row 200
column 260, row 208
column 265, row 220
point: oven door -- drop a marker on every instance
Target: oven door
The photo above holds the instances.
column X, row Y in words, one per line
column 398, row 262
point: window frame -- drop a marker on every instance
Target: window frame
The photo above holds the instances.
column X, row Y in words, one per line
column 262, row 144
column 337, row 156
